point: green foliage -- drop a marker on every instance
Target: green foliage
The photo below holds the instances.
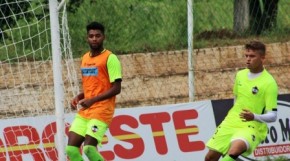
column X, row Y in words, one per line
column 213, row 15
column 213, row 25
column 132, row 26
column 142, row 26
column 27, row 38
column 11, row 13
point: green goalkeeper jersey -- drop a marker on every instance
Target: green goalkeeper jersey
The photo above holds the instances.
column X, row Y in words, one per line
column 257, row 95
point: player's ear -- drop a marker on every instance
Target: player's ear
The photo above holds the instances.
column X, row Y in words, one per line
column 263, row 58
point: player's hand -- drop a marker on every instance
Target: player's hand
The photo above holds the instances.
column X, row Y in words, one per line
column 246, row 115
column 74, row 102
column 86, row 103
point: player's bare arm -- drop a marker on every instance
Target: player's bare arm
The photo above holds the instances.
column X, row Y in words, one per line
column 268, row 117
column 115, row 90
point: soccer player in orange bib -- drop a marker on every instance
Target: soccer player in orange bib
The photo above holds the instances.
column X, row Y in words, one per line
column 101, row 81
column 245, row 125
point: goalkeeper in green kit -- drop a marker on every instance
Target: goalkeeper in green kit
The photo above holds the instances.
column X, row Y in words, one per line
column 255, row 105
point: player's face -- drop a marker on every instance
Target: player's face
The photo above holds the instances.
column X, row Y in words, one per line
column 254, row 61
column 95, row 39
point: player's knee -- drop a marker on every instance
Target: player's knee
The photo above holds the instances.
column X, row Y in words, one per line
column 207, row 158
column 211, row 157
column 72, row 151
column 235, row 153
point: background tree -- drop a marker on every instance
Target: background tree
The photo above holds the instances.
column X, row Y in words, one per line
column 241, row 16
column 255, row 15
column 263, row 15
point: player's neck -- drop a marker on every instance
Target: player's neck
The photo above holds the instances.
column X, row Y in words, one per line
column 257, row 70
column 97, row 52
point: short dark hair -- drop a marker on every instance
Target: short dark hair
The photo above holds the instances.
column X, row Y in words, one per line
column 95, row 26
column 256, row 46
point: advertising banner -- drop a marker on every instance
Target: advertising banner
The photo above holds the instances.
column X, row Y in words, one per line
column 176, row 132
column 277, row 143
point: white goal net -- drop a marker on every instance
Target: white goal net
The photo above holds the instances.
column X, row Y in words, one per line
column 26, row 73
column 26, row 83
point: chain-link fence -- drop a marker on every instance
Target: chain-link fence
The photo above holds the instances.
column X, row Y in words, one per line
column 221, row 29
column 224, row 23
column 150, row 38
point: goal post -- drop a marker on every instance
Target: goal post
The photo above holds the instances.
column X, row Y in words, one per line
column 190, row 50
column 34, row 39
column 57, row 77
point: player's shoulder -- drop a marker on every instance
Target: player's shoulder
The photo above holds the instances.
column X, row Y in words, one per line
column 113, row 60
column 267, row 73
column 113, row 57
column 112, row 54
column 243, row 72
column 268, row 76
column 85, row 55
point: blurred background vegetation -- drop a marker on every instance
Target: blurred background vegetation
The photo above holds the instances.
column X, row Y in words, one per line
column 134, row 26
column 151, row 25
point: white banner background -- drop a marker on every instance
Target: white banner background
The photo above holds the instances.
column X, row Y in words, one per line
column 132, row 133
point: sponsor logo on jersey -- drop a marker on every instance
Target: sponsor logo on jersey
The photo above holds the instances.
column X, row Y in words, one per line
column 255, row 90
column 92, row 71
column 94, row 128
